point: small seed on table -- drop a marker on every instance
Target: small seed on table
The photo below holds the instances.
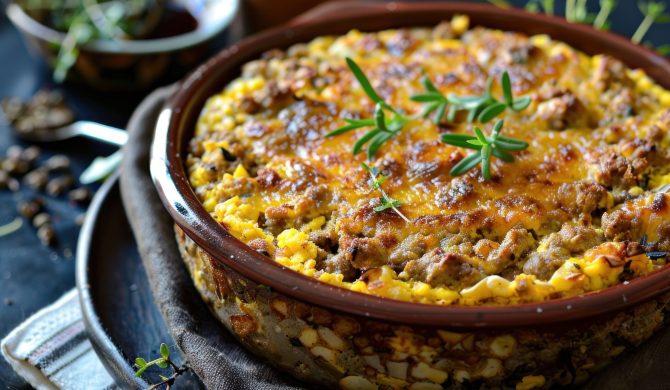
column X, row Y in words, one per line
column 4, row 179
column 59, row 185
column 30, row 208
column 58, row 162
column 47, row 235
column 14, row 152
column 80, row 195
column 31, row 154
column 15, row 166
column 12, row 108
column 37, row 178
column 41, row 219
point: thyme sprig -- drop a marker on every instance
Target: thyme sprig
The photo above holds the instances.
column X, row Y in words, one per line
column 382, row 127
column 163, row 361
column 496, row 145
column 482, row 108
column 376, row 180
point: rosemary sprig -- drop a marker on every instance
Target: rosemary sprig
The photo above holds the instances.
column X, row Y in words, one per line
column 434, row 99
column 495, row 145
column 382, row 127
column 654, row 12
column 162, row 362
column 482, row 108
column 376, row 180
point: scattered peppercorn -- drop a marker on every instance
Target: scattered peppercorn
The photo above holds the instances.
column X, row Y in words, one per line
column 47, row 235
column 13, row 185
column 59, row 185
column 30, row 208
column 31, row 154
column 14, row 152
column 46, row 110
column 4, row 179
column 81, row 195
column 37, row 179
column 58, row 162
column 15, row 167
column 41, row 219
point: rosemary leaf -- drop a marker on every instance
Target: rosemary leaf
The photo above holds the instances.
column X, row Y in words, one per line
column 358, row 146
column 491, row 112
column 466, row 164
column 365, row 84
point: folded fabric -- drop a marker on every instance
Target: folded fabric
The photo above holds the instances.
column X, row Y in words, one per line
column 50, row 350
column 212, row 353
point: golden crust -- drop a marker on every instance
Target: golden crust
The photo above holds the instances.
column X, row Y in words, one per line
column 565, row 218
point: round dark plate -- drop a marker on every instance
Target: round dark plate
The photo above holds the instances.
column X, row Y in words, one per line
column 118, row 309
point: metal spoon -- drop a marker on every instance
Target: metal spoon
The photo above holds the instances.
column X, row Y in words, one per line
column 97, row 131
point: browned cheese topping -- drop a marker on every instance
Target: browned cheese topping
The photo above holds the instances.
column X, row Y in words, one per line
column 577, row 211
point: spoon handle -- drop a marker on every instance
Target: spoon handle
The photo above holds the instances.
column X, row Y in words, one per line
column 101, row 132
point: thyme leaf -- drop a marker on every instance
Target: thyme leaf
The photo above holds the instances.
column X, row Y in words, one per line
column 376, row 180
column 162, row 362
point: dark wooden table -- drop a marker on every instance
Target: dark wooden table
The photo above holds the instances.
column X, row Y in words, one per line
column 33, row 276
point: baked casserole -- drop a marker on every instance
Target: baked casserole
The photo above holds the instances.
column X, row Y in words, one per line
column 579, row 210
column 485, row 209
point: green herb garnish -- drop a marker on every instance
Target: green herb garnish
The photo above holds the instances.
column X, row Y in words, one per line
column 601, row 21
column 84, row 21
column 501, row 3
column 11, row 227
column 576, row 11
column 663, row 50
column 434, row 99
column 383, row 128
column 376, row 180
column 547, row 6
column 654, row 12
column 162, row 362
column 495, row 145
column 482, row 108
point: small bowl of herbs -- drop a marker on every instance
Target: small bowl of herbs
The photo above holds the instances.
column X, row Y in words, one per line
column 120, row 44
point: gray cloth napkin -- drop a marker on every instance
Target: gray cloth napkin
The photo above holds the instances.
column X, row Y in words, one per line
column 214, row 355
